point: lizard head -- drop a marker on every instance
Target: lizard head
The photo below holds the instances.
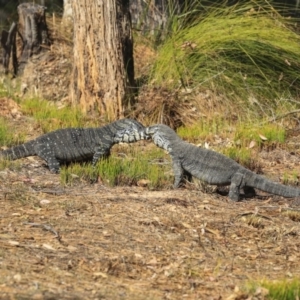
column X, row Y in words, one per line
column 162, row 135
column 129, row 131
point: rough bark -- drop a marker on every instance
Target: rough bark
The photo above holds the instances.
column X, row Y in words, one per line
column 33, row 30
column 103, row 72
column 68, row 14
column 151, row 16
column 8, row 42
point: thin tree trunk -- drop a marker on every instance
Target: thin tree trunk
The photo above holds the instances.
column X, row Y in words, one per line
column 103, row 72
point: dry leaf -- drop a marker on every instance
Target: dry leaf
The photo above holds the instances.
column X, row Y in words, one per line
column 99, row 274
column 48, row 247
column 45, row 201
column 72, row 248
column 252, row 144
column 17, row 277
column 262, row 137
column 186, row 225
column 143, row 182
column 14, row 243
column 153, row 261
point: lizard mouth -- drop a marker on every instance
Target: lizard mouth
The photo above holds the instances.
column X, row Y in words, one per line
column 149, row 132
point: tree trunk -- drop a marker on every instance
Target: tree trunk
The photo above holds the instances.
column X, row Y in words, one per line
column 68, row 14
column 103, row 72
column 8, row 42
column 33, row 31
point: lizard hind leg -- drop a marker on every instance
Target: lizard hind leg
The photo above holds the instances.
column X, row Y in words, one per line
column 237, row 182
column 46, row 153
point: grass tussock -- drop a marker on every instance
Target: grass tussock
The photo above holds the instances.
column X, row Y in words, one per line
column 279, row 289
column 247, row 52
column 291, row 178
column 124, row 168
column 292, row 214
column 260, row 135
column 9, row 164
column 7, row 136
column 50, row 117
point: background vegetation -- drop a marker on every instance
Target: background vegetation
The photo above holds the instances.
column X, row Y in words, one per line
column 246, row 55
column 227, row 78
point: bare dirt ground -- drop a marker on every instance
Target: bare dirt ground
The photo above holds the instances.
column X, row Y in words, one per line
column 90, row 241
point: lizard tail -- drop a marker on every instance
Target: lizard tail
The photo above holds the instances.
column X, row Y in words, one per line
column 20, row 151
column 271, row 187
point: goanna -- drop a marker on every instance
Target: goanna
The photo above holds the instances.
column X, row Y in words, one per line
column 78, row 144
column 212, row 167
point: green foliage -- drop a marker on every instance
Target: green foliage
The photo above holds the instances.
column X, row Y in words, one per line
column 118, row 171
column 50, row 117
column 203, row 129
column 247, row 52
column 7, row 138
column 10, row 164
column 278, row 290
column 241, row 155
column 242, row 133
column 290, row 178
column 261, row 134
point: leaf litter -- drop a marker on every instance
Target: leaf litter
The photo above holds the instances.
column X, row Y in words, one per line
column 96, row 242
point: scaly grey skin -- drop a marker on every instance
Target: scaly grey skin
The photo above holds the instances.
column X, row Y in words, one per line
column 78, row 144
column 212, row 167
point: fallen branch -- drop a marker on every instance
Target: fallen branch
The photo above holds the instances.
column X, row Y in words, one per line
column 46, row 227
column 281, row 116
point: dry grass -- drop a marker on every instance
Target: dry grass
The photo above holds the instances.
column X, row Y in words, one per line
column 95, row 242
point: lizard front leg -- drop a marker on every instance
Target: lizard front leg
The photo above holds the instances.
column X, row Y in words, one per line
column 100, row 152
column 178, row 172
column 237, row 182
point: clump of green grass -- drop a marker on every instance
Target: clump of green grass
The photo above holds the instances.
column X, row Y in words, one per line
column 119, row 171
column 204, row 129
column 247, row 52
column 241, row 133
column 271, row 133
column 279, row 289
column 241, row 155
column 50, row 117
column 291, row 178
column 10, row 164
column 7, row 138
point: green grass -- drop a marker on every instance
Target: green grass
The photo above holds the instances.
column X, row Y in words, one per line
column 7, row 137
column 246, row 52
column 10, row 164
column 49, row 117
column 117, row 170
column 271, row 133
column 241, row 155
column 240, row 132
column 204, row 130
column 291, row 178
column 279, row 290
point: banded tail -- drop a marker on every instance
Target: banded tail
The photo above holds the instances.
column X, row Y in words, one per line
column 20, row 151
column 263, row 184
